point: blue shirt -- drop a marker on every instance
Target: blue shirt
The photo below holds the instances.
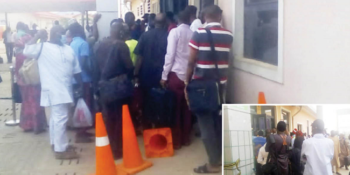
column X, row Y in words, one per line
column 81, row 49
column 259, row 141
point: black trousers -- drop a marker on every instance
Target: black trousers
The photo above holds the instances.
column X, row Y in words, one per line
column 211, row 132
column 9, row 52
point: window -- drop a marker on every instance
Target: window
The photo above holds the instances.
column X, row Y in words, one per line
column 300, row 127
column 141, row 10
column 285, row 118
column 149, row 6
column 155, row 7
column 258, row 37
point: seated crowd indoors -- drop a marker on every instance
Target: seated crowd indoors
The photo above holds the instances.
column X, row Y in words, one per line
column 164, row 57
column 294, row 154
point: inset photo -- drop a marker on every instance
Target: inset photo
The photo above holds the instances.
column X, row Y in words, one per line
column 286, row 140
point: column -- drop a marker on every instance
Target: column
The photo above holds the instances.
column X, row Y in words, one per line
column 206, row 3
column 319, row 112
column 109, row 11
column 6, row 20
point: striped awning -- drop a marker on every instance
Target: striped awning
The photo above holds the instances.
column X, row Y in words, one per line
column 28, row 6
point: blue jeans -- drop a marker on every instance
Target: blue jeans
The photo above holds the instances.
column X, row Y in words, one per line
column 211, row 131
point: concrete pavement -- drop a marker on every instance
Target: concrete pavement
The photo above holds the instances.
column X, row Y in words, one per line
column 29, row 154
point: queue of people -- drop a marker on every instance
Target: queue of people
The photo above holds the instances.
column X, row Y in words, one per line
column 161, row 52
column 288, row 154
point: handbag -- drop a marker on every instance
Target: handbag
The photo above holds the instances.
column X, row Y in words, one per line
column 30, row 70
column 270, row 168
column 117, row 88
column 204, row 95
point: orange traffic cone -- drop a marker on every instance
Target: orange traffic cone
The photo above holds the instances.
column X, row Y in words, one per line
column 104, row 157
column 158, row 142
column 132, row 159
column 261, row 99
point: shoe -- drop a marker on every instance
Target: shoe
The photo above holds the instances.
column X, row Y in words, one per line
column 83, row 140
column 177, row 147
column 187, row 143
column 39, row 131
column 66, row 155
column 69, row 148
column 84, row 134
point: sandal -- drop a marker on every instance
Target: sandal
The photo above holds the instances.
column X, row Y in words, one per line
column 204, row 170
column 66, row 155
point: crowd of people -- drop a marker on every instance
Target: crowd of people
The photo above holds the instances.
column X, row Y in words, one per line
column 286, row 153
column 163, row 51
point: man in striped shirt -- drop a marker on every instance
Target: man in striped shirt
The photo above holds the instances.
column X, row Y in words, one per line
column 201, row 65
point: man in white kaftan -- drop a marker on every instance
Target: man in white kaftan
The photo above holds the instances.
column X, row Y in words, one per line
column 317, row 152
column 57, row 66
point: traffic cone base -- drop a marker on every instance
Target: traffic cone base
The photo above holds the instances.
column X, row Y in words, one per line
column 158, row 143
column 130, row 171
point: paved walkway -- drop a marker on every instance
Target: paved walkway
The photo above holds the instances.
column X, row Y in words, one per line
column 28, row 154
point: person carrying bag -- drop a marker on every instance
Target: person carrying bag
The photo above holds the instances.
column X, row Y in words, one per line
column 118, row 88
column 271, row 167
column 205, row 95
column 30, row 70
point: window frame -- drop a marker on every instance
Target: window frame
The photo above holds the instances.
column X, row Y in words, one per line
column 301, row 127
column 259, row 68
column 290, row 118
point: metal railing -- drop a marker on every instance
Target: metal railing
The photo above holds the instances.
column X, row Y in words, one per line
column 15, row 121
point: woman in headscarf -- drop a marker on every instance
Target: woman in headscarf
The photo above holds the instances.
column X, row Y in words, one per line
column 32, row 117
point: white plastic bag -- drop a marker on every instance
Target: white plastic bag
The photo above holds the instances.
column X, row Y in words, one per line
column 82, row 116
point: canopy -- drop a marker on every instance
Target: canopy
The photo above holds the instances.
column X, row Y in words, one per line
column 28, row 6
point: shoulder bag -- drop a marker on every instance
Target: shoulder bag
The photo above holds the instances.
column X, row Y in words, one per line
column 117, row 88
column 271, row 168
column 30, row 70
column 204, row 95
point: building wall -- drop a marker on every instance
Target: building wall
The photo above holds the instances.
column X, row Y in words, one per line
column 302, row 118
column 238, row 139
column 109, row 11
column 135, row 4
column 316, row 50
